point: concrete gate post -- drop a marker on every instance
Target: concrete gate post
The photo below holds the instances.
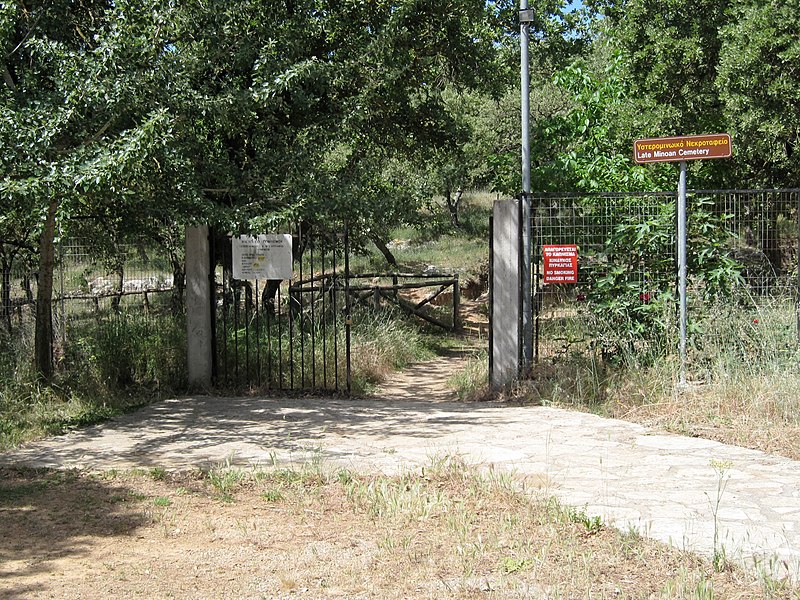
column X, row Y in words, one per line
column 198, row 307
column 506, row 309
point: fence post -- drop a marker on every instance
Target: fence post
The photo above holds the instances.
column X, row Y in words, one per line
column 198, row 308
column 456, row 303
column 506, row 282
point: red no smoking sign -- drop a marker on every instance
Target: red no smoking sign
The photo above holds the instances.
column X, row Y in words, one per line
column 560, row 263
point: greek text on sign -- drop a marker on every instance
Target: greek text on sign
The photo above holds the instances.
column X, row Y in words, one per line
column 560, row 264
column 262, row 257
column 690, row 147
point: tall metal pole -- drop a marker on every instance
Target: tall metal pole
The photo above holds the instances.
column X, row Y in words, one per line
column 682, row 269
column 527, row 297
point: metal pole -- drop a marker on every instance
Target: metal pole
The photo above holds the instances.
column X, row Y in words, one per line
column 682, row 269
column 63, row 301
column 527, row 304
column 348, row 316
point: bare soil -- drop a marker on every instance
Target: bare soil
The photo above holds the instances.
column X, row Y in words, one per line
column 300, row 535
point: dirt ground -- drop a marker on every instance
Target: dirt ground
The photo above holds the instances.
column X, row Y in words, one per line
column 227, row 534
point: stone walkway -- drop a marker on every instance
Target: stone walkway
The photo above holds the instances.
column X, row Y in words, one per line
column 663, row 485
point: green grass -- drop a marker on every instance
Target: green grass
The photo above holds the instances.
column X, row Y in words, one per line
column 106, row 368
column 434, row 242
column 470, row 383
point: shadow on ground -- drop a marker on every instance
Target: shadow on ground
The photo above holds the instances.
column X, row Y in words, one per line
column 38, row 510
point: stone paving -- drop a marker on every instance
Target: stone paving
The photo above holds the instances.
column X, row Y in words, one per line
column 665, row 486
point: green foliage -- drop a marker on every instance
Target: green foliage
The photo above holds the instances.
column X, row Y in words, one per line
column 245, row 115
column 670, row 54
column 128, row 350
column 756, row 82
column 705, row 66
column 586, row 146
column 632, row 278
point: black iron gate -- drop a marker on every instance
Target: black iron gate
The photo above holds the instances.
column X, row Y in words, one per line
column 285, row 334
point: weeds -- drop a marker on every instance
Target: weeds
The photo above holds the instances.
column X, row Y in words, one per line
column 272, row 496
column 720, row 559
column 470, row 383
column 224, row 480
column 743, row 375
column 105, row 369
column 158, row 474
column 450, row 530
column 592, row 525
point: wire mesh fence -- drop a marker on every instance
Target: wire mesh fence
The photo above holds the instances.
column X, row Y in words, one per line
column 116, row 309
column 742, row 266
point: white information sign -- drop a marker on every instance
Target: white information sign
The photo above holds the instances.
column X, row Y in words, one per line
column 262, row 257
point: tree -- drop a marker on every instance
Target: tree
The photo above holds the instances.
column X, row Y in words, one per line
column 587, row 145
column 759, row 84
column 78, row 115
column 242, row 113
column 670, row 52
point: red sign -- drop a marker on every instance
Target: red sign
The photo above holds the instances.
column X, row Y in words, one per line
column 560, row 264
column 689, row 147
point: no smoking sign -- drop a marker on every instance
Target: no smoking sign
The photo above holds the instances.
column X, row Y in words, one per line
column 560, row 263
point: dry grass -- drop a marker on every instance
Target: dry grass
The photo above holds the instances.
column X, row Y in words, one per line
column 381, row 346
column 752, row 406
column 471, row 381
column 450, row 531
column 760, row 412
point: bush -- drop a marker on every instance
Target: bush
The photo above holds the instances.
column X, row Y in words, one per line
column 129, row 349
column 632, row 280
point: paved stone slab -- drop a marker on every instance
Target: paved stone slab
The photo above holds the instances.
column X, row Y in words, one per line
column 665, row 486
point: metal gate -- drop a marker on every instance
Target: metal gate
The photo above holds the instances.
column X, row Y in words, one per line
column 286, row 335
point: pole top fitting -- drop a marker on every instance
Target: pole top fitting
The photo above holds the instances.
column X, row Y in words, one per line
column 525, row 15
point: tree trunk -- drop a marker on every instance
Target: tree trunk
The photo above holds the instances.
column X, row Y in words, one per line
column 387, row 254
column 452, row 206
column 299, row 242
column 268, row 296
column 5, row 291
column 43, row 339
column 178, row 284
column 26, row 284
column 116, row 301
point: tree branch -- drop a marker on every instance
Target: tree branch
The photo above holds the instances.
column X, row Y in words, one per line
column 96, row 137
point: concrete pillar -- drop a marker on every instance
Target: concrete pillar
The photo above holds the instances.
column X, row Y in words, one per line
column 506, row 315
column 198, row 307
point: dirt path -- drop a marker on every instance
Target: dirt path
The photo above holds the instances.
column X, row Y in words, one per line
column 427, row 381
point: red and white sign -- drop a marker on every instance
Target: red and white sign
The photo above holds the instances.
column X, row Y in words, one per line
column 560, row 263
column 688, row 147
